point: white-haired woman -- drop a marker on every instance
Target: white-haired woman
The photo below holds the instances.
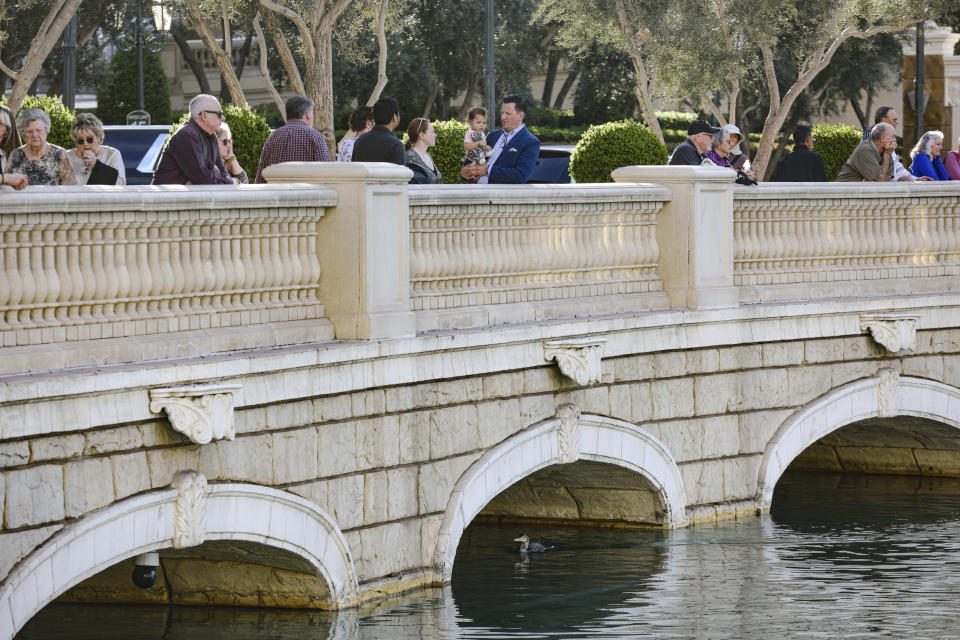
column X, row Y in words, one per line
column 87, row 132
column 40, row 161
column 926, row 157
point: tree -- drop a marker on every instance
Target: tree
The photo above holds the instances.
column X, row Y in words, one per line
column 117, row 95
column 222, row 56
column 314, row 21
column 624, row 24
column 47, row 36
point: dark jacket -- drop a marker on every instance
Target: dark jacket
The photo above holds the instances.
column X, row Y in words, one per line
column 686, row 154
column 517, row 160
column 192, row 155
column 378, row 145
column 800, row 165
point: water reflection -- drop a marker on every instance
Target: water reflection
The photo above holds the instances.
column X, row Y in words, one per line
column 591, row 573
column 839, row 557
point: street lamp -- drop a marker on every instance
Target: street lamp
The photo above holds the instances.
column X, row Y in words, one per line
column 142, row 32
column 489, row 94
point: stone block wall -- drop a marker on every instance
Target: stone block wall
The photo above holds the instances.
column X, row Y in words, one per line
column 382, row 461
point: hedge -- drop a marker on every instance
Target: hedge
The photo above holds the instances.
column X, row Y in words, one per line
column 249, row 131
column 610, row 146
column 835, row 143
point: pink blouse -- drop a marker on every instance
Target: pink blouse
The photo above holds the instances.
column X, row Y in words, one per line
column 952, row 165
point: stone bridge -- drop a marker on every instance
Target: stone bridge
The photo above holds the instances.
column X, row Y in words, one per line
column 301, row 394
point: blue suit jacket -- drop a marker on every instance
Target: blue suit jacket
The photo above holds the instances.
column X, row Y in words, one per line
column 517, row 160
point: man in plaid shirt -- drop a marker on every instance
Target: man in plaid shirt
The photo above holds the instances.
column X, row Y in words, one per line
column 296, row 141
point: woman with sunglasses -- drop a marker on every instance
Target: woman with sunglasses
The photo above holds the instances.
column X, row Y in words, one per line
column 9, row 140
column 43, row 163
column 87, row 133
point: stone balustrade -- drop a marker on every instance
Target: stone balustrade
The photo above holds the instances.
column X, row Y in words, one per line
column 815, row 241
column 81, row 262
column 518, row 246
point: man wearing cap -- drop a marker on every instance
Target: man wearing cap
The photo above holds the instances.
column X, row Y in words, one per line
column 691, row 150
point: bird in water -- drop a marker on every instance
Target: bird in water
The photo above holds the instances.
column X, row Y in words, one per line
column 531, row 547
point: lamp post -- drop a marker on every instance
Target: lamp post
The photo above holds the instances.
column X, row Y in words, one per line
column 919, row 100
column 70, row 64
column 141, row 32
column 489, row 92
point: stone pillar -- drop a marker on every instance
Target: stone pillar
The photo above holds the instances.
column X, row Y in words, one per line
column 364, row 246
column 694, row 233
column 941, row 71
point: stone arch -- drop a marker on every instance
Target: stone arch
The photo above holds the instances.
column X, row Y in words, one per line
column 885, row 395
column 155, row 521
column 565, row 438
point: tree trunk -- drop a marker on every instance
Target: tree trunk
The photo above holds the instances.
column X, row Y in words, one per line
column 180, row 37
column 41, row 46
column 382, row 46
column 861, row 116
column 553, row 61
column 641, row 87
column 566, row 86
column 320, row 89
column 264, row 71
column 244, row 53
column 220, row 57
column 433, row 96
column 286, row 55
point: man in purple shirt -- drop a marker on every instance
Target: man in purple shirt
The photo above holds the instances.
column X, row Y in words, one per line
column 192, row 156
column 296, row 141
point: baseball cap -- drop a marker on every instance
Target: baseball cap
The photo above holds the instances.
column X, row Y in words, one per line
column 701, row 126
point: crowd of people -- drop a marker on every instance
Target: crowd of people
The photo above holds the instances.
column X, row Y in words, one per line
column 201, row 151
column 873, row 160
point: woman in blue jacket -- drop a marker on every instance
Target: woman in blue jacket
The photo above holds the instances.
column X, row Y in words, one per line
column 926, row 157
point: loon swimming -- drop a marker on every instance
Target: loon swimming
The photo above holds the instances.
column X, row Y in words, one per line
column 530, row 547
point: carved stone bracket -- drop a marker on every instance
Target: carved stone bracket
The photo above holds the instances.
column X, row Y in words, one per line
column 190, row 509
column 894, row 331
column 579, row 358
column 568, row 434
column 888, row 393
column 200, row 413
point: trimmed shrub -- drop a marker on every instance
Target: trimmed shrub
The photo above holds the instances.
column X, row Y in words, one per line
column 117, row 95
column 249, row 131
column 679, row 120
column 60, row 118
column 549, row 118
column 610, row 146
column 550, row 134
column 835, row 142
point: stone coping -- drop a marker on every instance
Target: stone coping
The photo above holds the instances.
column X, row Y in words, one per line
column 388, row 362
column 338, row 172
column 820, row 190
column 454, row 194
column 147, row 199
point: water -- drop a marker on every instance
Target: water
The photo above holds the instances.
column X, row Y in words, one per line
column 838, row 557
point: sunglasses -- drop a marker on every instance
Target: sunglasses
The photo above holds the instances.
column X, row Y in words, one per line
column 219, row 114
column 88, row 140
column 225, row 140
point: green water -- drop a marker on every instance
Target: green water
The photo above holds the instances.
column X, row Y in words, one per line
column 838, row 557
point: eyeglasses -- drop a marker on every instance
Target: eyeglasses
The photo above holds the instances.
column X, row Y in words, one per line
column 88, row 140
column 225, row 140
column 219, row 114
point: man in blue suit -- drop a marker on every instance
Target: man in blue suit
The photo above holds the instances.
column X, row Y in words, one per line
column 515, row 150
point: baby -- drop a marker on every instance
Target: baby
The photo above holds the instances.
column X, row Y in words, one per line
column 474, row 142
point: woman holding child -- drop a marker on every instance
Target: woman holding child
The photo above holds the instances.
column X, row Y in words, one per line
column 420, row 137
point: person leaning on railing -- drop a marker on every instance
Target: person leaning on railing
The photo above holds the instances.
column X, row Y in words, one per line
column 42, row 162
column 225, row 140
column 9, row 140
column 871, row 160
column 92, row 162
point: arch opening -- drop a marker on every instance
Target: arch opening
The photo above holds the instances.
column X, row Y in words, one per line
column 582, row 493
column 563, row 457
column 886, row 424
column 237, row 520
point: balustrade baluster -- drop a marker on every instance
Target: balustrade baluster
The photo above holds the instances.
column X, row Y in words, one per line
column 11, row 273
column 58, row 239
column 124, row 267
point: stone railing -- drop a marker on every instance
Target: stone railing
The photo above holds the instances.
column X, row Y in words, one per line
column 81, row 262
column 814, row 241
column 527, row 246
